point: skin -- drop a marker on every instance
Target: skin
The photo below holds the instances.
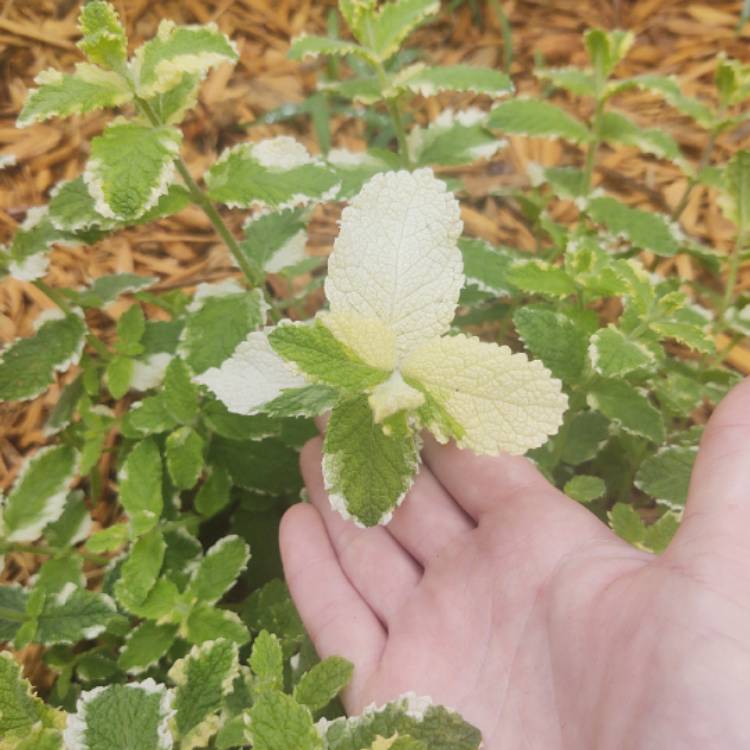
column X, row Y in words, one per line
column 496, row 595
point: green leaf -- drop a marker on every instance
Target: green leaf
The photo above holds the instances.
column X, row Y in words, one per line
column 278, row 173
column 176, row 50
column 538, row 119
column 309, row 401
column 203, row 678
column 109, row 539
column 615, row 127
column 38, row 495
column 626, row 523
column 119, row 374
column 171, row 105
column 180, row 394
column 237, row 426
column 275, row 241
column 665, row 475
column 219, row 569
column 434, row 726
column 367, row 471
column 72, row 526
column 318, row 687
column 606, row 49
column 319, row 354
column 586, row 435
column 659, row 534
column 20, row 709
column 566, row 182
column 41, row 739
column 574, row 80
column 145, row 645
column 71, row 208
column 213, row 496
column 311, row 45
column 393, row 22
column 613, row 354
column 72, row 615
column 140, row 570
column 644, row 229
column 693, row 336
column 434, row 79
column 271, row 608
column 206, row 622
column 106, row 289
column 668, row 88
column 136, row 715
column 585, row 488
column 140, row 486
column 184, row 454
column 147, row 417
column 130, row 329
column 28, row 366
column 216, row 325
column 278, row 722
column 628, row 407
column 131, row 167
column 737, row 189
column 63, row 94
column 12, row 615
column 104, row 41
column 267, row 663
column 556, row 339
column 487, row 266
column 539, row 277
column 56, row 572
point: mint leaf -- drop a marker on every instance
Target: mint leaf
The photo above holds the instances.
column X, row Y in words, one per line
column 629, row 407
column 71, row 209
column 309, row 401
column 606, row 49
column 206, row 622
column 184, row 454
column 213, row 496
column 180, row 394
column 486, row 266
column 275, row 241
column 73, row 525
column 104, row 41
column 613, row 354
column 140, row 481
column 136, row 715
column 585, row 488
column 576, row 81
column 615, row 127
column 669, row 89
column 367, row 472
column 72, row 615
column 130, row 168
column 626, row 522
column 587, row 433
column 538, row 119
column 267, row 663
column 539, row 277
column 140, row 570
column 145, row 645
column 434, row 79
column 736, row 184
column 119, row 374
column 666, row 475
column 109, row 539
column 311, row 45
column 219, row 569
column 278, row 722
column 106, row 289
column 660, row 533
column 323, row 682
column 28, row 365
column 393, row 22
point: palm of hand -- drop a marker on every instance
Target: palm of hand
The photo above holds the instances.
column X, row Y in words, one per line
column 496, row 595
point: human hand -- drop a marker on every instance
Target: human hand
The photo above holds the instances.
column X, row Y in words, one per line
column 499, row 597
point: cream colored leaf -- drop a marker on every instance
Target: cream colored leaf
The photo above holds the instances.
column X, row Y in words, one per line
column 251, row 377
column 368, row 338
column 392, row 396
column 503, row 401
column 396, row 257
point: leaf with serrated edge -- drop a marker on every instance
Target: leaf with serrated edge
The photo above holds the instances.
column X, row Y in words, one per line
column 627, row 523
column 73, row 614
column 63, row 94
column 140, row 571
column 585, row 488
column 429, row 81
column 309, row 401
column 615, row 127
column 136, row 715
column 104, row 41
column 394, row 21
column 202, row 679
column 184, row 454
column 665, row 476
column 503, row 401
column 539, row 119
column 323, row 682
column 629, row 407
column 140, row 486
column 311, row 45
column 364, row 270
column 613, row 354
column 39, row 493
column 206, row 622
column 28, row 365
column 278, row 722
column 176, row 50
column 267, row 663
column 131, row 167
column 219, row 569
column 367, row 471
column 145, row 645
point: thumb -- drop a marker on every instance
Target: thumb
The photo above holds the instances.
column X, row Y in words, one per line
column 718, row 504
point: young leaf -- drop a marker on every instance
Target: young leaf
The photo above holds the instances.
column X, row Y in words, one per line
column 311, row 45
column 646, row 230
column 171, row 105
column 628, row 407
column 275, row 241
column 213, row 495
column 606, row 49
column 539, row 277
column 109, row 539
column 119, row 374
column 219, row 569
column 73, row 614
column 585, row 488
column 217, row 323
column 72, row 526
column 267, row 663
column 180, row 394
column 140, row 486
column 393, row 22
column 71, row 209
column 486, row 266
column 555, row 338
column 322, row 357
column 104, row 41
column 63, row 94
column 586, row 436
column 136, row 715
column 130, row 168
column 430, row 80
column 660, row 533
column 666, row 475
column 38, row 495
column 140, row 570
column 184, row 454
column 206, row 622
column 28, row 366
column 367, row 472
column 177, row 50
column 278, row 722
column 615, row 127
column 613, row 354
column 576, row 81
column 130, row 329
column 202, row 679
column 538, row 119
column 318, row 687
column 737, row 189
column 627, row 523
column 145, row 645
column 309, row 401
column 277, row 172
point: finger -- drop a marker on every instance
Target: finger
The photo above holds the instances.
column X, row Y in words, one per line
column 719, row 496
column 338, row 620
column 428, row 520
column 377, row 565
column 482, row 484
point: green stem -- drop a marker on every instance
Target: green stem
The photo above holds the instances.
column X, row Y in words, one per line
column 734, row 268
column 50, row 551
column 12, row 615
column 398, row 124
column 205, row 203
column 54, row 295
column 693, row 181
column 588, row 169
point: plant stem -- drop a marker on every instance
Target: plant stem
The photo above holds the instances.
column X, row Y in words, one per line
column 588, row 170
column 54, row 295
column 201, row 199
column 734, row 268
column 51, row 551
column 692, row 181
column 398, row 124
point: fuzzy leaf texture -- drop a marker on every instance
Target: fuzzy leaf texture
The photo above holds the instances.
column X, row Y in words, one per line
column 538, row 119
column 104, row 41
column 431, row 80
